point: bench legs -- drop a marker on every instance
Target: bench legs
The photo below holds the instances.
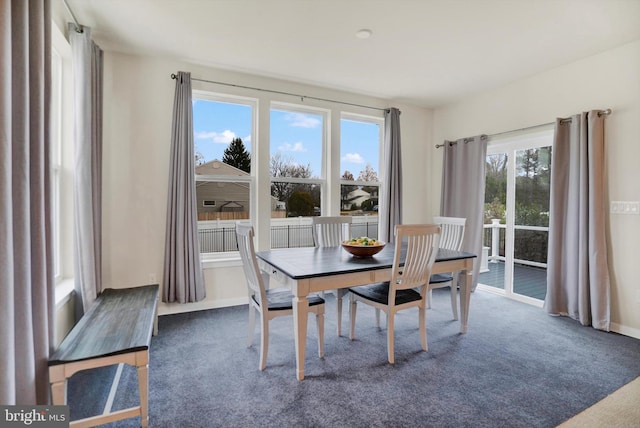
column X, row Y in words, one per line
column 59, row 374
column 143, row 389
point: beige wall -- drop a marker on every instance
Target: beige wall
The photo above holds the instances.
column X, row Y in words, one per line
column 137, row 127
column 138, row 101
column 608, row 80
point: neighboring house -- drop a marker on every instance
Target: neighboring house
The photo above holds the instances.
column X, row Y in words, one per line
column 217, row 197
column 355, row 198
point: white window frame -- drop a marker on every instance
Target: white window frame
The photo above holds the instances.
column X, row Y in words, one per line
column 510, row 144
column 62, row 165
column 318, row 181
column 231, row 258
column 374, row 120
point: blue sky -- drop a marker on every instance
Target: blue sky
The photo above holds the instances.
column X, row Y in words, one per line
column 297, row 136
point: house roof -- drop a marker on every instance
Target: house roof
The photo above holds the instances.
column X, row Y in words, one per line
column 216, row 167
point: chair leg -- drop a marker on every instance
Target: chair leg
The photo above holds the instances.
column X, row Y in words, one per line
column 264, row 341
column 390, row 351
column 352, row 316
column 378, row 318
column 252, row 324
column 429, row 293
column 422, row 322
column 320, row 326
column 454, row 294
column 339, row 295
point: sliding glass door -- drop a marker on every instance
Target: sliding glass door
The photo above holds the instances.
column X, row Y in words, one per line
column 517, row 216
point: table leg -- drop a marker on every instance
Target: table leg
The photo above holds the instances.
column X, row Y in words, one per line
column 465, row 297
column 300, row 315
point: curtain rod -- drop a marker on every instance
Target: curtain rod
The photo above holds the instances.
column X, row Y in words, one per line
column 78, row 26
column 567, row 120
column 302, row 97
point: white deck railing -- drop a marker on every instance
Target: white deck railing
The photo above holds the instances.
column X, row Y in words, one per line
column 494, row 253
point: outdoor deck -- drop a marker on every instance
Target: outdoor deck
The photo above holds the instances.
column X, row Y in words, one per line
column 527, row 280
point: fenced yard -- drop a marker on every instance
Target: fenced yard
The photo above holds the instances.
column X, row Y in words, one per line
column 220, row 236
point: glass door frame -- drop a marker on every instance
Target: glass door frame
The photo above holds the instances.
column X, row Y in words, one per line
column 509, row 144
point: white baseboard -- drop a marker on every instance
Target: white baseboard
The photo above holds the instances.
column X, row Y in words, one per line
column 624, row 330
column 177, row 308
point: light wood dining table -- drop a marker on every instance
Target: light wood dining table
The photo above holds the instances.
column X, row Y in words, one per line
column 310, row 270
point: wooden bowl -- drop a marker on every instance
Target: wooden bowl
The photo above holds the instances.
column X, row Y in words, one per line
column 363, row 250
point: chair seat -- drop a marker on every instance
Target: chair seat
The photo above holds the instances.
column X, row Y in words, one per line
column 280, row 299
column 379, row 293
column 439, row 278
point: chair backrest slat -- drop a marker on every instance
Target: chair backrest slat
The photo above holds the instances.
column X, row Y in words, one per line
column 331, row 231
column 451, row 232
column 255, row 279
column 422, row 243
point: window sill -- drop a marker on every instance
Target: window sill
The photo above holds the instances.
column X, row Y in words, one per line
column 221, row 260
column 64, row 291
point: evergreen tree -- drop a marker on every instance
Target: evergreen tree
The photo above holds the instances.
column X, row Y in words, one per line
column 236, row 155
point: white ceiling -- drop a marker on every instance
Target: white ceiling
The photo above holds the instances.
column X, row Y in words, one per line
column 422, row 52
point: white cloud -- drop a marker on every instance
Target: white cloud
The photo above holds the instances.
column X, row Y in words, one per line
column 295, row 147
column 223, row 137
column 301, row 120
column 353, row 158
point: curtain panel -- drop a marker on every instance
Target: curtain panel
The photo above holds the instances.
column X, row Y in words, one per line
column 578, row 283
column 463, row 182
column 26, row 253
column 391, row 193
column 87, row 182
column 183, row 278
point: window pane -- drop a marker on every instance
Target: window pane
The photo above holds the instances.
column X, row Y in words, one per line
column 221, row 200
column 56, row 142
column 533, row 179
column 298, row 200
column 296, row 144
column 222, row 132
column 360, row 162
column 296, row 149
column 359, row 150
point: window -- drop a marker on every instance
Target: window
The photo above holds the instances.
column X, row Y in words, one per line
column 516, row 218
column 61, row 165
column 223, row 135
column 360, row 146
column 297, row 171
column 56, row 156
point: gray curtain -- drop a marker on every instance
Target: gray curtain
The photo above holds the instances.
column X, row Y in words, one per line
column 463, row 180
column 87, row 182
column 183, row 279
column 26, row 255
column 577, row 268
column 391, row 192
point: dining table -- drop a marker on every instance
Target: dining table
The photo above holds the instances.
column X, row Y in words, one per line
column 312, row 270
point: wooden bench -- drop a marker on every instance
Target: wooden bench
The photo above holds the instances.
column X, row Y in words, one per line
column 116, row 329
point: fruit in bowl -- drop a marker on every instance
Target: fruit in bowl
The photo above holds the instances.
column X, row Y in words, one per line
column 363, row 246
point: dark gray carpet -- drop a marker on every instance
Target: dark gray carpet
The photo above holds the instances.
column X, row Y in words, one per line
column 516, row 367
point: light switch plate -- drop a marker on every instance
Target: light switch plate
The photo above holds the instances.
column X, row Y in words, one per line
column 625, row 207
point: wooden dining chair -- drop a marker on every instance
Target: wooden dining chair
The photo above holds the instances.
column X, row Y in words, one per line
column 330, row 231
column 269, row 303
column 408, row 285
column 451, row 238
